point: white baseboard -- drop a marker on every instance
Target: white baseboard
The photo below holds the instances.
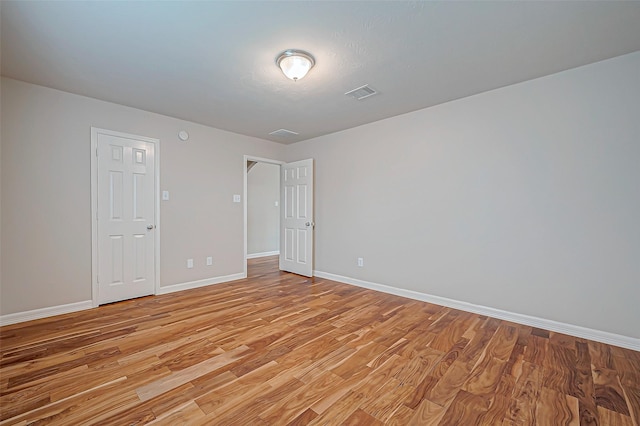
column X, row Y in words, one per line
column 45, row 312
column 558, row 327
column 263, row 254
column 88, row 304
column 201, row 283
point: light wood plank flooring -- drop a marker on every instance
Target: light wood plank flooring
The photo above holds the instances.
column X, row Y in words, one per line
column 279, row 349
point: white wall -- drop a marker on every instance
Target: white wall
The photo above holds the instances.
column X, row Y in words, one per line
column 46, row 183
column 0, row 170
column 263, row 216
column 525, row 199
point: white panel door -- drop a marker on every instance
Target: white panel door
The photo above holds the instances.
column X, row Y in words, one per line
column 125, row 218
column 296, row 217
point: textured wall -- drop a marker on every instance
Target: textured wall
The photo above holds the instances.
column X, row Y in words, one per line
column 46, row 220
column 524, row 199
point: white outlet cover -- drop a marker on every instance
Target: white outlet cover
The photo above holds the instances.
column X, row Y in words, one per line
column 189, row 263
column 236, row 198
column 209, row 261
column 275, row 204
column 165, row 195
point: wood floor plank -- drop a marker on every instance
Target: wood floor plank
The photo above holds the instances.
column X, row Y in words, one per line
column 417, row 368
column 536, row 350
column 555, row 408
column 524, row 398
column 614, row 418
column 628, row 371
column 447, row 337
column 277, row 349
column 608, row 392
column 601, row 355
column 181, row 377
column 226, row 398
column 297, row 402
column 466, row 409
column 583, row 387
column 244, row 411
column 632, row 395
column 457, row 350
column 418, row 395
column 339, row 389
column 495, row 414
column 388, row 400
column 339, row 412
column 360, row 417
column 304, row 418
column 485, row 376
column 427, row 413
column 83, row 407
column 450, row 384
column 188, row 413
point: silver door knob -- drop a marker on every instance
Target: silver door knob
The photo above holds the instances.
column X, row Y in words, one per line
column 310, row 224
column 150, row 227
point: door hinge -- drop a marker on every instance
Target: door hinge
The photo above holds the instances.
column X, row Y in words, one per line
column 96, row 151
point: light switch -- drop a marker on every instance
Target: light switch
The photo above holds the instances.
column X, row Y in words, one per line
column 165, row 195
column 275, row 204
column 236, row 198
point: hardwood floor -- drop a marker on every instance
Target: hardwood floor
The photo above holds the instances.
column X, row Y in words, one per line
column 282, row 349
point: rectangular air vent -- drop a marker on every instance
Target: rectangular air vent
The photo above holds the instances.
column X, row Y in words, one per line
column 283, row 133
column 361, row 92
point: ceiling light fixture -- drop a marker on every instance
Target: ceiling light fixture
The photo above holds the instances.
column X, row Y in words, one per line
column 295, row 64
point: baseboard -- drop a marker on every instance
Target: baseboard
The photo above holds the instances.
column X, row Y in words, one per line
column 558, row 327
column 88, row 304
column 264, row 254
column 45, row 312
column 201, row 283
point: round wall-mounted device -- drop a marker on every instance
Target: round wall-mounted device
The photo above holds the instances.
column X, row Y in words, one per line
column 183, row 135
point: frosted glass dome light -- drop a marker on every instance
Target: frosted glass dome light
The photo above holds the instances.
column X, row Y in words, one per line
column 295, row 64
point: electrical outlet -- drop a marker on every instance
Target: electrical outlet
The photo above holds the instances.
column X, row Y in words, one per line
column 360, row 262
column 189, row 263
column 209, row 261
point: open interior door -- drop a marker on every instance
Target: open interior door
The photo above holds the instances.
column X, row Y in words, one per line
column 296, row 217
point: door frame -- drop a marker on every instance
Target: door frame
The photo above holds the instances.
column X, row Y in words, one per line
column 95, row 131
column 244, row 198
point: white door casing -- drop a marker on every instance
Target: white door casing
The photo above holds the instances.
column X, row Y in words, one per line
column 125, row 216
column 296, row 217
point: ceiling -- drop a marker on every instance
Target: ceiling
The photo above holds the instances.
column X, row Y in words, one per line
column 214, row 62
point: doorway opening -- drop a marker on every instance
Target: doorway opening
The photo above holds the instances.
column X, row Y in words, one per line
column 261, row 208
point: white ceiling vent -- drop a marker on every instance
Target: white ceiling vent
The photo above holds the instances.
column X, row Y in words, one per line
column 361, row 92
column 283, row 133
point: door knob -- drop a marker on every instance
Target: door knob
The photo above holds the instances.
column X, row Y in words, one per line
column 150, row 227
column 310, row 224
